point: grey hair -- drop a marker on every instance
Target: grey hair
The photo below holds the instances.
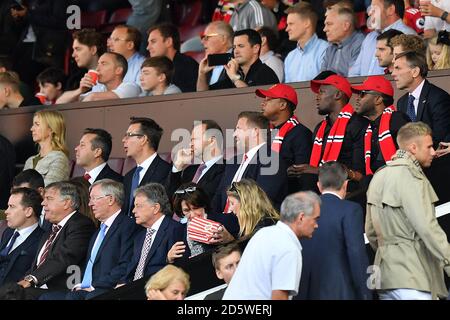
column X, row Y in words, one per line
column 155, row 193
column 296, row 203
column 67, row 191
column 111, row 187
column 332, row 175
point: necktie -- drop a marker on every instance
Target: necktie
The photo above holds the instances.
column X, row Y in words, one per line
column 411, row 111
column 134, row 185
column 87, row 278
column 144, row 253
column 5, row 251
column 199, row 172
column 48, row 243
column 87, row 176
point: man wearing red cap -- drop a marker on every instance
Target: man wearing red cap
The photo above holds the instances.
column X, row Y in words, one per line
column 339, row 137
column 375, row 102
column 290, row 138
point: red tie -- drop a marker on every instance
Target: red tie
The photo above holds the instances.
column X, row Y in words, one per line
column 86, row 177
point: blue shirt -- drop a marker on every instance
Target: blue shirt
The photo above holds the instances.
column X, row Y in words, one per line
column 340, row 57
column 134, row 68
column 367, row 64
column 304, row 64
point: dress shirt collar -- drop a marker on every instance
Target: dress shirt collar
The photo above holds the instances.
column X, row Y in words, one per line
column 417, row 91
column 108, row 222
column 251, row 153
column 333, row 193
column 95, row 172
column 309, row 44
column 63, row 222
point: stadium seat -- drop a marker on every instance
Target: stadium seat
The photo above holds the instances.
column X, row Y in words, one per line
column 77, row 171
column 71, row 166
column 361, row 21
column 187, row 31
column 120, row 16
column 93, row 19
column 188, row 13
column 128, row 164
column 166, row 156
column 197, row 55
column 116, row 164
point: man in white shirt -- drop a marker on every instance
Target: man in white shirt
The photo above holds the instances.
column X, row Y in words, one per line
column 20, row 240
column 112, row 68
column 255, row 160
column 92, row 153
column 271, row 270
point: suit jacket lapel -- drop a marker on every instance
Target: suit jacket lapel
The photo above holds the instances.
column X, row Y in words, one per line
column 150, row 171
column 159, row 237
column 423, row 100
column 108, row 235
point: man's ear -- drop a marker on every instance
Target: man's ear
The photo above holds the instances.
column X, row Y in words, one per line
column 319, row 185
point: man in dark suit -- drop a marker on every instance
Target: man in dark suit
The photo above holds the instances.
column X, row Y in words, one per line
column 32, row 179
column 141, row 143
column 289, row 136
column 110, row 248
column 424, row 101
column 65, row 245
column 202, row 163
column 20, row 240
column 256, row 162
column 335, row 259
column 151, row 245
column 92, row 153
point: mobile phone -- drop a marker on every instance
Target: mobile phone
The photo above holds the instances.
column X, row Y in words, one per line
column 219, row 59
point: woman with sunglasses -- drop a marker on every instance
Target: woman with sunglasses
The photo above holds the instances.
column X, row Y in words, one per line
column 251, row 206
column 191, row 201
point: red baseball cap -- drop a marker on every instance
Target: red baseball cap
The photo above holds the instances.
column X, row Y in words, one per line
column 336, row 81
column 375, row 83
column 279, row 91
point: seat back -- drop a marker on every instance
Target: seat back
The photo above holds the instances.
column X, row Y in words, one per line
column 116, row 164
column 128, row 164
column 94, row 19
column 188, row 12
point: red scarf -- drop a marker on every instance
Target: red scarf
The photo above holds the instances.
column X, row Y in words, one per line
column 334, row 140
column 387, row 145
column 284, row 130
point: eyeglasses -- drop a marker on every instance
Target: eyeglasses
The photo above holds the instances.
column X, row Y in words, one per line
column 131, row 134
column 363, row 93
column 186, row 190
column 233, row 187
column 95, row 199
column 207, row 36
column 117, row 39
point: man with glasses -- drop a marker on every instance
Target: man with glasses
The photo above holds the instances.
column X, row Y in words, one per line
column 110, row 248
column 375, row 102
column 141, row 143
column 216, row 39
column 126, row 40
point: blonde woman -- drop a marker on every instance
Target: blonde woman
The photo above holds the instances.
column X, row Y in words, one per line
column 49, row 132
column 251, row 206
column 169, row 283
column 438, row 52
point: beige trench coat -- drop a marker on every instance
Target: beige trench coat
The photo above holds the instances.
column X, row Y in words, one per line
column 411, row 248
